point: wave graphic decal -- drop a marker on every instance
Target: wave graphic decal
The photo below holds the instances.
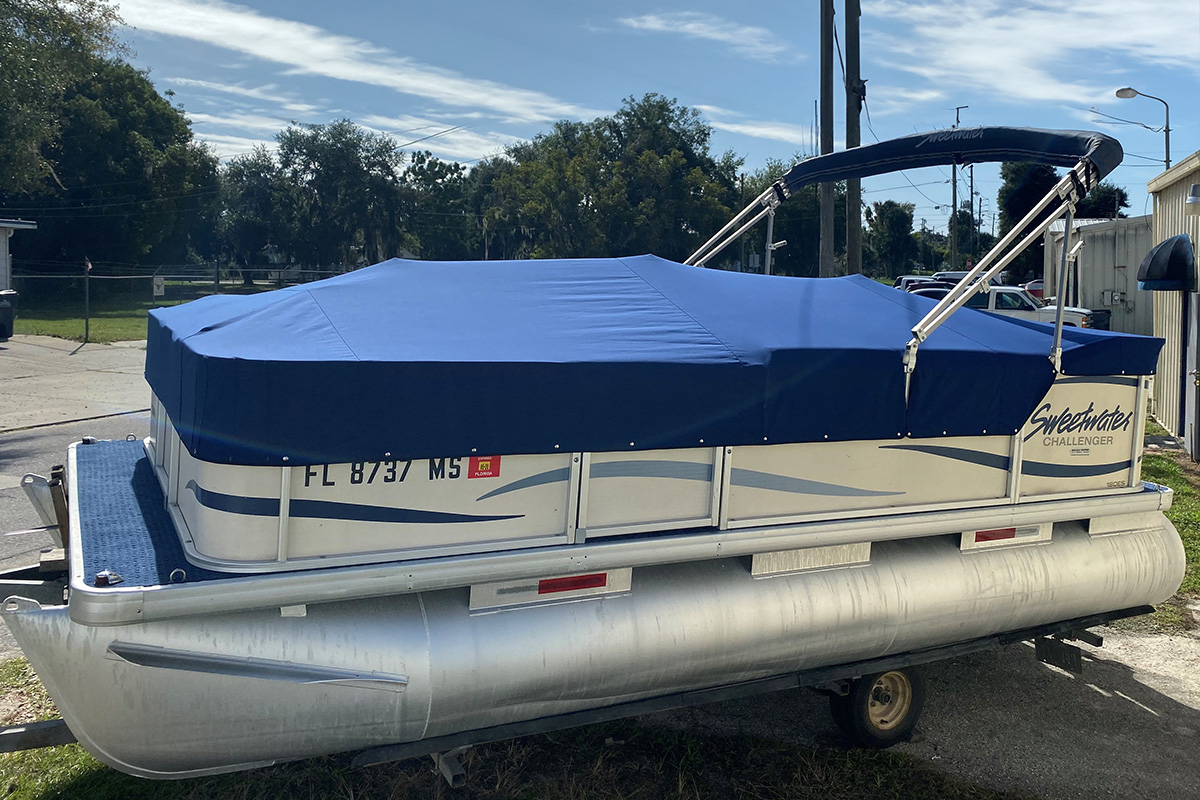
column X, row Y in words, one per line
column 325, row 509
column 679, row 470
column 782, row 483
column 542, row 478
column 957, row 453
column 1038, row 469
column 1043, row 470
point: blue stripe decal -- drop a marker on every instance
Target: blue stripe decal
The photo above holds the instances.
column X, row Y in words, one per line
column 552, row 476
column 782, row 483
column 233, row 504
column 1042, row 470
column 1114, row 380
column 1037, row 469
column 323, row 509
column 994, row 460
column 680, row 470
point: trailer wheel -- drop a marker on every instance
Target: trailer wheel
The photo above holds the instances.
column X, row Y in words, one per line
column 881, row 709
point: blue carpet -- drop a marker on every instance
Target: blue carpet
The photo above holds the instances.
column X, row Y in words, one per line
column 125, row 525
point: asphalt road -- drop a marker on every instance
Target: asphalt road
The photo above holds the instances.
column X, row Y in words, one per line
column 36, row 450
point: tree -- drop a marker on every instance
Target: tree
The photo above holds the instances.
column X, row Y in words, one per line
column 798, row 221
column 1103, row 201
column 889, row 237
column 640, row 181
column 444, row 225
column 46, row 46
column 346, row 199
column 1026, row 184
column 1022, row 187
column 127, row 177
column 253, row 208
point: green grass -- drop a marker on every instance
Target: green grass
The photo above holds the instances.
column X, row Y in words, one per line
column 1184, row 513
column 1155, row 429
column 627, row 759
column 113, row 318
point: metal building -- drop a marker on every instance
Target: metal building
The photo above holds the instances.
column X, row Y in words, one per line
column 1107, row 268
column 1175, row 394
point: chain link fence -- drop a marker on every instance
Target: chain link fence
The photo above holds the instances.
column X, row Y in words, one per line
column 104, row 305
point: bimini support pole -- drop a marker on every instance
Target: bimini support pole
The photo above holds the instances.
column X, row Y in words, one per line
column 1056, row 349
column 1073, row 186
column 768, row 200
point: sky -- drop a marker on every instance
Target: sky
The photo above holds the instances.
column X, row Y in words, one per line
column 465, row 78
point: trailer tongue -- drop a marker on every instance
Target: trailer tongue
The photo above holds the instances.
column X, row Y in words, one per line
column 428, row 504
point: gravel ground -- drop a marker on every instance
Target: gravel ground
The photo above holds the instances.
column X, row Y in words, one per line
column 1129, row 727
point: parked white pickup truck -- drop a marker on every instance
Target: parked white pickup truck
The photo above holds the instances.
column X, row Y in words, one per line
column 1013, row 301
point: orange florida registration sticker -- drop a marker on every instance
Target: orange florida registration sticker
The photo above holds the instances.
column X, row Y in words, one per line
column 484, row 467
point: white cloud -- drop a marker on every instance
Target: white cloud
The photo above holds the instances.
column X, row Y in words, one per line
column 746, row 40
column 309, row 50
column 461, row 145
column 719, row 118
column 886, row 100
column 232, row 146
column 1037, row 50
column 268, row 93
column 242, row 122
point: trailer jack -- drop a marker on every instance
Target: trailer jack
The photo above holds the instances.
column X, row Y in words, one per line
column 448, row 766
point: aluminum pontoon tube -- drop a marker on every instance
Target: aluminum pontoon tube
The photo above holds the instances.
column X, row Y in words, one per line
column 223, row 693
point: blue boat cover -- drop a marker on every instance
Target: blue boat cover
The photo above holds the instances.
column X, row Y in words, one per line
column 417, row 359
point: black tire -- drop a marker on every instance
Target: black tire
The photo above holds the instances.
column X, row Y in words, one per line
column 881, row 709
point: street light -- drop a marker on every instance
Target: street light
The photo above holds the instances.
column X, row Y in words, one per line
column 1191, row 206
column 1128, row 93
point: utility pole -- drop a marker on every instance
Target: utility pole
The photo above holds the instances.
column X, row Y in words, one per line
column 855, row 91
column 971, row 205
column 826, row 268
column 954, row 202
column 979, row 224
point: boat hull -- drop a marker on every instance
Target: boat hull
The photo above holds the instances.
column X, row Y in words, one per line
column 218, row 693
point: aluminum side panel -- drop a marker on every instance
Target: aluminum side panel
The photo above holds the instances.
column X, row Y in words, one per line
column 772, row 482
column 1082, row 437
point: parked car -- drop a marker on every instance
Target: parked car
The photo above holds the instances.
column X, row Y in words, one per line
column 954, row 276
column 1013, row 301
column 906, row 283
column 1035, row 288
column 930, row 283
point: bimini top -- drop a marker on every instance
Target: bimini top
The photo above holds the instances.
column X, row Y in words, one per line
column 417, row 359
column 960, row 146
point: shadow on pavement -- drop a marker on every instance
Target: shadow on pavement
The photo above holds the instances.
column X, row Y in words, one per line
column 1002, row 719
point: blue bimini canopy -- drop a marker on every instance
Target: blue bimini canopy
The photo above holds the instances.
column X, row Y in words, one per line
column 430, row 359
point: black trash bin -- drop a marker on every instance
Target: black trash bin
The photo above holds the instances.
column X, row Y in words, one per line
column 1101, row 318
column 8, row 312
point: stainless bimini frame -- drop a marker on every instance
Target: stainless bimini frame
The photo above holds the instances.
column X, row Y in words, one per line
column 1090, row 156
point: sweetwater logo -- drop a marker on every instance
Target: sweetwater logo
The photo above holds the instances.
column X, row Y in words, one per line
column 1061, row 429
column 956, row 135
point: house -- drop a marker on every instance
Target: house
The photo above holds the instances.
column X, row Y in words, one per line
column 7, row 226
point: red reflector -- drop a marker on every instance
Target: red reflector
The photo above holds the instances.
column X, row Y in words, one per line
column 551, row 585
column 996, row 535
